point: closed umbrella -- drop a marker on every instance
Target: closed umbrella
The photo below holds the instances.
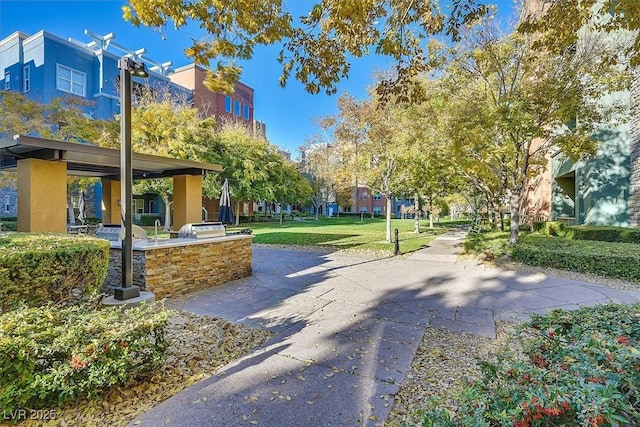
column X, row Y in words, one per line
column 225, row 215
column 81, row 215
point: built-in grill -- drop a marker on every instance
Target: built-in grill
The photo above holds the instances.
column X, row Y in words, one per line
column 203, row 230
column 111, row 232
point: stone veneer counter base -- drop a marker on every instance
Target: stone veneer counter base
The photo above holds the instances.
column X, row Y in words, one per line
column 173, row 267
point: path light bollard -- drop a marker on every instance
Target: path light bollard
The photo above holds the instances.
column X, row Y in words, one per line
column 396, row 249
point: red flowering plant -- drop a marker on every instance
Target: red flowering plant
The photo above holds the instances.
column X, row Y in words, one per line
column 573, row 368
column 49, row 356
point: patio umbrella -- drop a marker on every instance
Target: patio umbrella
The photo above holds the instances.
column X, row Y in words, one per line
column 81, row 208
column 225, row 215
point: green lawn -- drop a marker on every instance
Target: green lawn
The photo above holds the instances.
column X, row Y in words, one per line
column 346, row 233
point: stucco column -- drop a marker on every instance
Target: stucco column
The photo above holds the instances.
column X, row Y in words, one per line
column 187, row 200
column 110, row 198
column 42, row 196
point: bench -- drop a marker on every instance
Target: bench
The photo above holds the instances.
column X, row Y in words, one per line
column 475, row 229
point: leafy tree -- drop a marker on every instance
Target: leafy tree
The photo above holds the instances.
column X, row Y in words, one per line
column 163, row 187
column 166, row 125
column 558, row 25
column 385, row 148
column 517, row 103
column 428, row 169
column 287, row 185
column 318, row 46
column 244, row 161
column 350, row 133
column 62, row 119
column 318, row 166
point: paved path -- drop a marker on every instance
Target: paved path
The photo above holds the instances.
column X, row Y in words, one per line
column 347, row 330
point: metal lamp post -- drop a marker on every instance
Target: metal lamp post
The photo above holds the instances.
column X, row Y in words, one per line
column 128, row 67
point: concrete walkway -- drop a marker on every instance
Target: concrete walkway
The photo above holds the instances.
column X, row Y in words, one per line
column 347, row 330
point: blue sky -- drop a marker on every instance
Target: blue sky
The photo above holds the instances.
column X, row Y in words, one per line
column 288, row 112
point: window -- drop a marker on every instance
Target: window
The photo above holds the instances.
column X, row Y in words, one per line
column 377, row 210
column 363, row 209
column 7, row 80
column 246, row 112
column 238, row 105
column 26, row 79
column 7, row 204
column 139, row 205
column 70, row 80
column 377, row 196
column 227, row 104
column 152, row 207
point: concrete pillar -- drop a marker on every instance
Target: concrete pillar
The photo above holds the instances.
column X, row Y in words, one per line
column 187, row 200
column 42, row 196
column 110, row 198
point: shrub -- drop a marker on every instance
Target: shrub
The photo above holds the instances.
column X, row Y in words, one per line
column 576, row 368
column 37, row 269
column 554, row 228
column 92, row 220
column 524, row 227
column 619, row 260
column 149, row 220
column 495, row 243
column 50, row 356
column 606, row 234
column 588, row 232
column 9, row 225
column 539, row 226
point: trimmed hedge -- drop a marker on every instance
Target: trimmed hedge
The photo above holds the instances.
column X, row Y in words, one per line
column 605, row 234
column 39, row 269
column 49, row 356
column 9, row 225
column 149, row 220
column 589, row 232
column 619, row 260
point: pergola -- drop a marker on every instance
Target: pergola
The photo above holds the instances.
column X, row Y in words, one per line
column 42, row 167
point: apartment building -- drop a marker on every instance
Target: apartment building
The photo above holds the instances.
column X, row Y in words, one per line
column 603, row 189
column 44, row 66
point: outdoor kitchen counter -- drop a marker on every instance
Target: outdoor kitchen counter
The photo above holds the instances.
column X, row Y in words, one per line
column 173, row 267
column 150, row 243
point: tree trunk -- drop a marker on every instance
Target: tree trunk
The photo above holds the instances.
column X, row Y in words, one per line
column 431, row 212
column 514, row 205
column 167, row 215
column 416, row 214
column 281, row 215
column 388, row 237
column 237, row 213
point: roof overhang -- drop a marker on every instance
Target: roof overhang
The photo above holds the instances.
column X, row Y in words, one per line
column 89, row 160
